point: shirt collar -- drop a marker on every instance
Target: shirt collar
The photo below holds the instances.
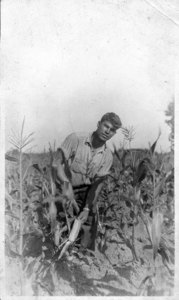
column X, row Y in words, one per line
column 88, row 141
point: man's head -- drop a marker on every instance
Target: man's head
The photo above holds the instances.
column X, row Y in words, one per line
column 108, row 126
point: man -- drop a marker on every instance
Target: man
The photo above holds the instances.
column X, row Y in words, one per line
column 90, row 161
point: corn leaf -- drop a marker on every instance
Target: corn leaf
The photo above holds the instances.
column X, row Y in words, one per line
column 152, row 148
column 10, row 158
column 22, row 129
column 157, row 223
column 142, row 170
column 158, row 188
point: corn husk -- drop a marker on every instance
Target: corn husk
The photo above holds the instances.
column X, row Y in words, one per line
column 64, row 249
column 75, row 230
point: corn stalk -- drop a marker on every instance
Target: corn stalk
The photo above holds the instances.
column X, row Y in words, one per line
column 129, row 134
column 21, row 204
column 154, row 226
column 20, row 142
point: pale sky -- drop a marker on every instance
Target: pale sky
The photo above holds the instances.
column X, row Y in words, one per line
column 66, row 63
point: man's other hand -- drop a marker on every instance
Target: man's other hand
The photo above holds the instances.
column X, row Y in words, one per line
column 83, row 216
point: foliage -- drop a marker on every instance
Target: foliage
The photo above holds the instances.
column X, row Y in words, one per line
column 136, row 219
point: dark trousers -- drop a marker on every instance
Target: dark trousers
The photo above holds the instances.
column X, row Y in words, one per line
column 89, row 228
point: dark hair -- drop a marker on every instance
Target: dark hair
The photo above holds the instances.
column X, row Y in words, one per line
column 113, row 118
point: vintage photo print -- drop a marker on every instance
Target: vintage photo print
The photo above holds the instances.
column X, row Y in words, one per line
column 89, row 148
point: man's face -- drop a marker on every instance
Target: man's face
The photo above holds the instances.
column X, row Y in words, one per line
column 105, row 131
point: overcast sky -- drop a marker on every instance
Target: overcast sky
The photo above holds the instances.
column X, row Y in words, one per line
column 68, row 62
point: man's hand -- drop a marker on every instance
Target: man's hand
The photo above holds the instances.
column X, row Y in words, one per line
column 84, row 215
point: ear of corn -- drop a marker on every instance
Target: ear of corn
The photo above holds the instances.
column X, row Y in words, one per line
column 72, row 237
column 75, row 230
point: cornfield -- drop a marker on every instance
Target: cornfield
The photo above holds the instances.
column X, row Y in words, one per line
column 134, row 254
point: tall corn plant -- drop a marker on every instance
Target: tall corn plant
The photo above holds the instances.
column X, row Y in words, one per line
column 20, row 142
column 142, row 167
column 129, row 134
column 157, row 216
column 154, row 226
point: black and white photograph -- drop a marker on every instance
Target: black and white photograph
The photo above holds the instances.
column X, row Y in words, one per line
column 88, row 148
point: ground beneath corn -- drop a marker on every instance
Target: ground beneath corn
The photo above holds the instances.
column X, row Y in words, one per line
column 112, row 272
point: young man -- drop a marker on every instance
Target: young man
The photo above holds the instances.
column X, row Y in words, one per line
column 90, row 161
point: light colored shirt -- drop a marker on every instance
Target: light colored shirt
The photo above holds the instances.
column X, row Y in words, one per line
column 86, row 163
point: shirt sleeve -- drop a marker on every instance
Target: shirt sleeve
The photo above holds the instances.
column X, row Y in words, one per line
column 69, row 146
